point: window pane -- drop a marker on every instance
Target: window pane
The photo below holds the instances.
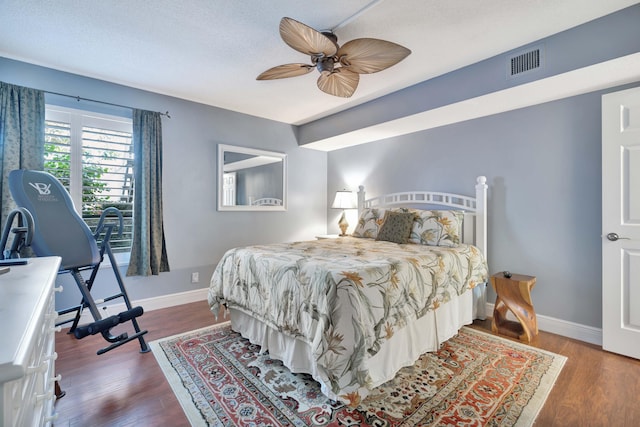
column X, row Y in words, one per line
column 107, row 171
column 57, row 150
column 107, row 179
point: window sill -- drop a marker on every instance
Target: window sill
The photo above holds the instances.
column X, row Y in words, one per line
column 122, row 259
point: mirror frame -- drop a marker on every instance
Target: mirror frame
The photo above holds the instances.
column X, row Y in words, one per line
column 222, row 148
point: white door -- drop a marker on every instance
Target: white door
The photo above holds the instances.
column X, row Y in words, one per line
column 229, row 189
column 621, row 222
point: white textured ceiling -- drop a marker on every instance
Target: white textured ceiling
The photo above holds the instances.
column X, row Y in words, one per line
column 211, row 51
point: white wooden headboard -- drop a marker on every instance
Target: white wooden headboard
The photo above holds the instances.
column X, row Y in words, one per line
column 475, row 208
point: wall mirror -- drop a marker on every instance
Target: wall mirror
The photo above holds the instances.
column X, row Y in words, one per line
column 251, row 180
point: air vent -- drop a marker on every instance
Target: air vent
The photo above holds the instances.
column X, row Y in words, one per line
column 524, row 62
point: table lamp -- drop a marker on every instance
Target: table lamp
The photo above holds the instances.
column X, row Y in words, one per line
column 344, row 200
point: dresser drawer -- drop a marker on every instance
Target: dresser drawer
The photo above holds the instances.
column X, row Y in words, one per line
column 28, row 400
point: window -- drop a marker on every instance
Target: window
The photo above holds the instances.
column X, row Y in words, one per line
column 92, row 156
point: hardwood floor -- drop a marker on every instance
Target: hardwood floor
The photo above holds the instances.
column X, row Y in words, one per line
column 595, row 388
column 124, row 387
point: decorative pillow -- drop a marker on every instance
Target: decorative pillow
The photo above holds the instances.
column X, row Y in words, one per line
column 437, row 228
column 369, row 223
column 396, row 227
column 413, row 211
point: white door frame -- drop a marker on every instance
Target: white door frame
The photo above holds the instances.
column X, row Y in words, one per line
column 621, row 222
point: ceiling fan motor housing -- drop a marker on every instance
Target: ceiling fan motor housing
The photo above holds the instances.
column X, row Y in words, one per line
column 325, row 64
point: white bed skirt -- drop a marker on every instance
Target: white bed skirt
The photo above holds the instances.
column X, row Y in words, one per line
column 403, row 349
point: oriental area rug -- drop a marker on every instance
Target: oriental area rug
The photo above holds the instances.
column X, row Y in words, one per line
column 475, row 379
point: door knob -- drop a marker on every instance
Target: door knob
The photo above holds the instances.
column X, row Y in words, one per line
column 614, row 236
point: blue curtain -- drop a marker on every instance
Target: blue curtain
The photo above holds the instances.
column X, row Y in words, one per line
column 148, row 251
column 21, row 136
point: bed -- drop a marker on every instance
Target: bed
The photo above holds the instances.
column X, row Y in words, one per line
column 267, row 201
column 352, row 311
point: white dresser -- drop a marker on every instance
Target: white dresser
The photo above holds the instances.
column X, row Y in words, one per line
column 27, row 343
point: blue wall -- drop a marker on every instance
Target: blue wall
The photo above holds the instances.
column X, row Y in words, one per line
column 543, row 164
column 197, row 234
column 612, row 36
column 543, row 168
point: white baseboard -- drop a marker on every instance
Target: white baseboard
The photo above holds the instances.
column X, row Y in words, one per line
column 545, row 323
column 147, row 304
column 562, row 327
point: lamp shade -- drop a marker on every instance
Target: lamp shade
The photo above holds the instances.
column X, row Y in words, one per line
column 344, row 200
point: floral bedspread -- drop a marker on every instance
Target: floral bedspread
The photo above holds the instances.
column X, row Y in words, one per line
column 345, row 297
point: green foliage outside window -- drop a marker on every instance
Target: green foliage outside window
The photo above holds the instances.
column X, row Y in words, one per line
column 59, row 162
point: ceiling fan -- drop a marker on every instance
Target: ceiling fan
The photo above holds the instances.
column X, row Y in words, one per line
column 339, row 66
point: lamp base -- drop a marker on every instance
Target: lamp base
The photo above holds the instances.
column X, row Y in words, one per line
column 343, row 224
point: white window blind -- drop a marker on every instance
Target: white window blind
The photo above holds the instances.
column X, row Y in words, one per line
column 92, row 155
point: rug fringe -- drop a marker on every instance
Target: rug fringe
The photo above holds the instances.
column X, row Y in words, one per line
column 530, row 412
column 173, row 378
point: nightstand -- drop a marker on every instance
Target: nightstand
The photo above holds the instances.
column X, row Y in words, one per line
column 327, row 236
column 514, row 294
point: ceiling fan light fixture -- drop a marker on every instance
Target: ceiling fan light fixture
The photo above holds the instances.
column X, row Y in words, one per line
column 358, row 56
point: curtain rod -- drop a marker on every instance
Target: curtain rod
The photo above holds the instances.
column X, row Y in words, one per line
column 79, row 98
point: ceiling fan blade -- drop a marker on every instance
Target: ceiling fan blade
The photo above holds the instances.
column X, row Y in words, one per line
column 284, row 71
column 365, row 56
column 340, row 82
column 305, row 39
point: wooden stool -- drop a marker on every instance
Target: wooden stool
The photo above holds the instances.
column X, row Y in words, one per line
column 514, row 294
